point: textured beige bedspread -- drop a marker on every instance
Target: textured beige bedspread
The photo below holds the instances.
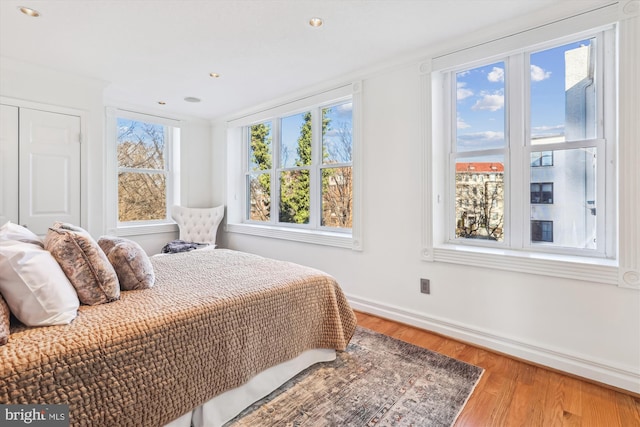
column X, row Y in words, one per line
column 213, row 319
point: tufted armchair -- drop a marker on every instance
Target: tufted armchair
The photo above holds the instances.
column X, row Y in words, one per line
column 198, row 225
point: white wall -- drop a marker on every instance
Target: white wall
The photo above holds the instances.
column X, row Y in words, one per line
column 588, row 329
column 33, row 84
column 26, row 82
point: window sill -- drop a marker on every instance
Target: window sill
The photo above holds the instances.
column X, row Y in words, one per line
column 327, row 238
column 140, row 230
column 597, row 270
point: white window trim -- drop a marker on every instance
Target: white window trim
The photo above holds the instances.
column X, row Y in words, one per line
column 624, row 270
column 237, row 169
column 114, row 227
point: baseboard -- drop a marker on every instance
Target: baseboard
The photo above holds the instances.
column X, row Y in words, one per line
column 579, row 365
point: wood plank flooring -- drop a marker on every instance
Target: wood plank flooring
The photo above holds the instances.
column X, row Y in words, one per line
column 515, row 393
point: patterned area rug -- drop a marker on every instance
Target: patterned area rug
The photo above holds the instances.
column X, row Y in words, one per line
column 378, row 381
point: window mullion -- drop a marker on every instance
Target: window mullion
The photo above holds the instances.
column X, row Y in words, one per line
column 451, row 191
column 517, row 191
column 449, row 85
column 275, row 171
column 315, row 198
column 609, row 115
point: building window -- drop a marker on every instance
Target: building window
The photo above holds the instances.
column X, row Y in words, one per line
column 541, row 158
column 146, row 149
column 542, row 231
column 479, row 201
column 303, row 163
column 543, row 107
column 542, row 192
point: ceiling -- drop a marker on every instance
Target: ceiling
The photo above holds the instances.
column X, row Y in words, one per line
column 164, row 50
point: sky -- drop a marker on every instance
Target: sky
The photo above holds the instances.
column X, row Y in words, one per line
column 480, row 106
column 339, row 115
column 138, row 130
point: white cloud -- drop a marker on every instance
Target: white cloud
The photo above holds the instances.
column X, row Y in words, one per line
column 343, row 108
column 462, row 91
column 538, row 74
column 491, row 102
column 480, row 140
column 547, row 128
column 496, row 75
column 547, row 131
column 461, row 124
column 488, row 135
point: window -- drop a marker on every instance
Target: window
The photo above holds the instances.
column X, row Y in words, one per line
column 542, row 193
column 541, row 107
column 303, row 162
column 588, row 152
column 293, row 170
column 541, row 158
column 542, row 231
column 144, row 154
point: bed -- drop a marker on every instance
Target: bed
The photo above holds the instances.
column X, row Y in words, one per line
column 217, row 331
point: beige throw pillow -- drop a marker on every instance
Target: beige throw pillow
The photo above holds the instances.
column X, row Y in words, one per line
column 5, row 318
column 130, row 261
column 84, row 263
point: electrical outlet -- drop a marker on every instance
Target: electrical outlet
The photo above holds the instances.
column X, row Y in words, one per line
column 425, row 286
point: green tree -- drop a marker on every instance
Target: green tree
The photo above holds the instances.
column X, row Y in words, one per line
column 261, row 160
column 295, row 184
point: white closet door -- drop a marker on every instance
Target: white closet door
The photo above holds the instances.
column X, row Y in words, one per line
column 49, row 169
column 8, row 164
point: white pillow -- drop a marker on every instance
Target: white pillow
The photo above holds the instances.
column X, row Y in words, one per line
column 34, row 286
column 11, row 231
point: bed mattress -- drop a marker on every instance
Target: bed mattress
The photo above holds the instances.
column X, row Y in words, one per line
column 213, row 320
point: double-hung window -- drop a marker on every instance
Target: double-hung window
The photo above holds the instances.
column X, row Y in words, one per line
column 293, row 172
column 145, row 156
column 530, row 138
column 300, row 169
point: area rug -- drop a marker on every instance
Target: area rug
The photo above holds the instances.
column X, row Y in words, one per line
column 377, row 381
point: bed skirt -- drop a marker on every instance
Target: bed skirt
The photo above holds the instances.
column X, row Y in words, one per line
column 224, row 407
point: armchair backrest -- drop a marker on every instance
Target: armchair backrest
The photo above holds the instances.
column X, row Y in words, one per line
column 198, row 225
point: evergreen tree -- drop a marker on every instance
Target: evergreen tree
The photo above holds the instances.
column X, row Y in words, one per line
column 295, row 185
column 260, row 186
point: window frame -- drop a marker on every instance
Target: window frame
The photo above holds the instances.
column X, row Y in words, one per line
column 540, row 192
column 541, row 223
column 614, row 268
column 172, row 129
column 278, row 168
column 540, row 160
column 238, row 141
column 518, row 145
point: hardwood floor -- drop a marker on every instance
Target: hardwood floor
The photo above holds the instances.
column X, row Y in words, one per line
column 515, row 393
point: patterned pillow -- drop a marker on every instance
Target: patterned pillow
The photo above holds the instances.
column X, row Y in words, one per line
column 5, row 316
column 130, row 261
column 84, row 263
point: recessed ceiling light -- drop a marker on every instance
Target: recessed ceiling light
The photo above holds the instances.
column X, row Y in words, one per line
column 214, row 75
column 28, row 11
column 315, row 22
column 192, row 99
